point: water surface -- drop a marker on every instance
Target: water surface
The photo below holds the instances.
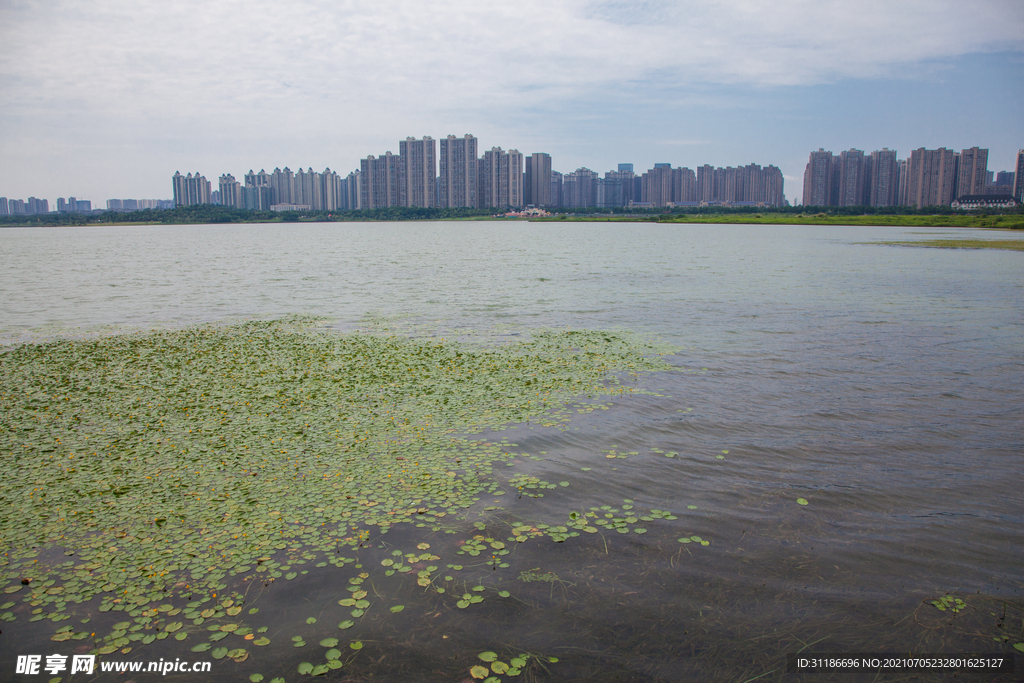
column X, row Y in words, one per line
column 881, row 384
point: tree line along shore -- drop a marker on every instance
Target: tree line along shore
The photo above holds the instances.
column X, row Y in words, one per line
column 795, row 215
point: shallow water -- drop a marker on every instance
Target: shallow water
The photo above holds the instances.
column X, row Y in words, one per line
column 881, row 384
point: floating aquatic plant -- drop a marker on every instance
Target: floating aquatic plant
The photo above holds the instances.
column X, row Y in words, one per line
column 171, row 464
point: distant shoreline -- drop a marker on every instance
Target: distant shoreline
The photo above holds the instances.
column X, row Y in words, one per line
column 211, row 214
column 1005, row 222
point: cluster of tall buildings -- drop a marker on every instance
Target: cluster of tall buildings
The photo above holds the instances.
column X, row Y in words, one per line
column 9, row 207
column 929, row 177
column 456, row 172
column 285, row 189
column 138, row 204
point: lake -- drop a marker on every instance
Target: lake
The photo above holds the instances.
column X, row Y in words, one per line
column 838, row 440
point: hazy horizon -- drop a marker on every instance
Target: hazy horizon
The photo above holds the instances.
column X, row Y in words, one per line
column 108, row 99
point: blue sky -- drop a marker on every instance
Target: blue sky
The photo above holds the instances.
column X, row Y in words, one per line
column 108, row 98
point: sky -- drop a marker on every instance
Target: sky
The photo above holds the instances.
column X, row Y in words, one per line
column 104, row 99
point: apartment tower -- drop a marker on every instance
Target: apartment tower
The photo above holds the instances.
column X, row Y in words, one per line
column 1018, row 178
column 884, row 179
column 538, row 181
column 417, row 171
column 500, row 179
column 458, row 169
column 379, row 182
column 191, row 189
column 973, row 172
column 930, row 180
column 818, row 179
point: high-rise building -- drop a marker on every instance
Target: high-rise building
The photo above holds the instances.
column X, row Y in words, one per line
column 618, row 188
column 259, row 198
column 656, row 185
column 851, row 179
column 579, row 188
column 609, row 191
column 930, row 177
column 190, row 190
column 973, row 171
column 379, row 187
column 538, row 181
column 258, row 192
column 1004, row 178
column 884, row 178
column 1002, row 183
column 417, row 171
column 457, row 186
column 72, row 205
column 318, row 191
column 353, row 197
column 261, row 179
column 281, row 185
column 34, row 205
column 515, row 178
column 4, row 208
column 750, row 184
column 555, row 198
column 500, row 179
column 818, row 179
column 775, row 186
column 230, row 190
column 131, row 204
column 1018, row 178
column 901, row 189
column 332, row 191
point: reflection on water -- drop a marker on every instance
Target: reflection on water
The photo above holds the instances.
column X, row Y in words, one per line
column 882, row 385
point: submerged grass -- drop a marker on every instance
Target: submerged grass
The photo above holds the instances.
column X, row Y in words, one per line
column 1011, row 245
column 168, row 465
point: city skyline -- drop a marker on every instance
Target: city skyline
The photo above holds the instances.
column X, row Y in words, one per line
column 419, row 177
column 105, row 99
column 976, row 180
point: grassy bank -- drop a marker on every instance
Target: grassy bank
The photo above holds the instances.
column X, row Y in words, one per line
column 1010, row 221
column 212, row 214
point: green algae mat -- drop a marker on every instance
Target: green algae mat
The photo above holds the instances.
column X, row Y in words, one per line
column 154, row 474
